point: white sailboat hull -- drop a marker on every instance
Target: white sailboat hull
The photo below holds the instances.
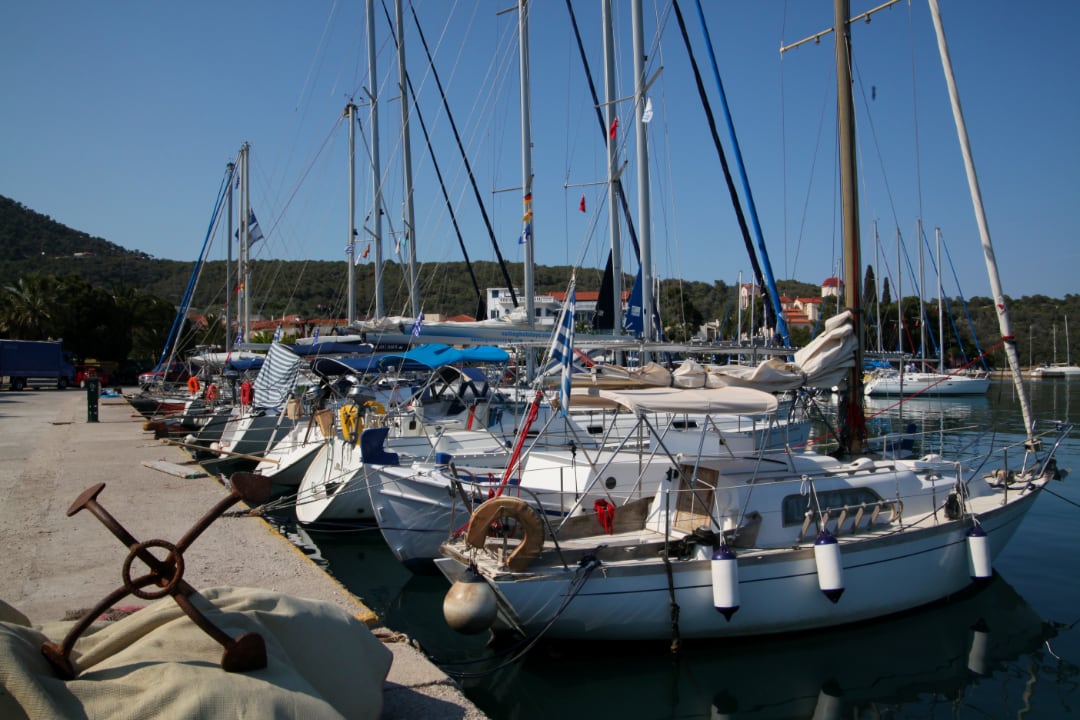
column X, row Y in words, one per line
column 631, row 600
column 416, row 509
column 926, row 384
column 1056, row 371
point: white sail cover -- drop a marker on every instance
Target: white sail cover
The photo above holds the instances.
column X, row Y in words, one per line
column 822, row 363
column 277, row 377
column 714, row 401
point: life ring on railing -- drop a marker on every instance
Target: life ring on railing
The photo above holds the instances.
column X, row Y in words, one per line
column 211, row 392
column 376, row 406
column 351, row 424
column 508, row 507
column 247, row 392
column 193, row 385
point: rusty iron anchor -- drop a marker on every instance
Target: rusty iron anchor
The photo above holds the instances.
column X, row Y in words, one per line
column 244, row 653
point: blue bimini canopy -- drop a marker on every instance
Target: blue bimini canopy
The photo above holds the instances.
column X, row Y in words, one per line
column 436, row 355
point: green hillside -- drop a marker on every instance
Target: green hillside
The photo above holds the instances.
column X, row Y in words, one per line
column 44, row 256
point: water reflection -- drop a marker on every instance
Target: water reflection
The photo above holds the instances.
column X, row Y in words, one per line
column 988, row 653
column 945, row 655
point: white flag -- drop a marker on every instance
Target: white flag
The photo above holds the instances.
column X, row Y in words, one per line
column 647, row 115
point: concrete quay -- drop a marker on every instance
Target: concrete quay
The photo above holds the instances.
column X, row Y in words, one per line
column 52, row 564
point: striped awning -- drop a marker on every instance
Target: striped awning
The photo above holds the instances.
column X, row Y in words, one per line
column 277, row 377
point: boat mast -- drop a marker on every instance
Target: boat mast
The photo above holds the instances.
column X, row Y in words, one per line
column 877, row 286
column 350, row 254
column 244, row 305
column 940, row 307
column 376, row 172
column 1068, row 359
column 610, row 114
column 899, row 304
column 526, row 157
column 1007, row 336
column 853, row 422
column 922, row 293
column 642, row 148
column 406, row 159
column 527, row 175
column 230, row 173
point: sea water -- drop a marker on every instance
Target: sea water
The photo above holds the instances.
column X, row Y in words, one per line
column 1007, row 649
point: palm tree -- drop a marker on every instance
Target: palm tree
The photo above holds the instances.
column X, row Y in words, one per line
column 28, row 308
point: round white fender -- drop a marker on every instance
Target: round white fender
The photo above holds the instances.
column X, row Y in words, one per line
column 830, row 568
column 725, row 581
column 469, row 606
column 979, row 552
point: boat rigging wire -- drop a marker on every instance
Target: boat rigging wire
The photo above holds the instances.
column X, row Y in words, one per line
column 584, row 570
column 464, row 157
column 480, row 303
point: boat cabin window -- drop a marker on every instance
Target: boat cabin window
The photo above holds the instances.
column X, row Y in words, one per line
column 795, row 506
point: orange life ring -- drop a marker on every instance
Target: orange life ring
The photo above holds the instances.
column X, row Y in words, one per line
column 193, row 385
column 211, row 392
column 247, row 393
column 502, row 507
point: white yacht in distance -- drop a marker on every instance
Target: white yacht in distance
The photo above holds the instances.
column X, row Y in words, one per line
column 894, row 382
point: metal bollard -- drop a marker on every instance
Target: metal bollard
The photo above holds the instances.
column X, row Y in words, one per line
column 93, row 392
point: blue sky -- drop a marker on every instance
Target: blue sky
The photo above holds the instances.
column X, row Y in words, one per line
column 119, row 119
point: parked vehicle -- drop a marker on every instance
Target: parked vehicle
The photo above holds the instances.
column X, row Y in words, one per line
column 24, row 362
column 165, row 373
column 92, row 368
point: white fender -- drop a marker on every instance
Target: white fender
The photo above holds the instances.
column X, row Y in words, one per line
column 725, row 581
column 830, row 568
column 979, row 553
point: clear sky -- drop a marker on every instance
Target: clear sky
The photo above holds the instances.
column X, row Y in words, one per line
column 119, row 118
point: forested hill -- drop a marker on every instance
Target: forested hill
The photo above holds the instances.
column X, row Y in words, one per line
column 35, row 244
column 26, row 234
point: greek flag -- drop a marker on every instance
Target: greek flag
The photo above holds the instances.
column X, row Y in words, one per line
column 277, row 334
column 255, row 233
column 562, row 347
column 315, row 337
column 418, row 324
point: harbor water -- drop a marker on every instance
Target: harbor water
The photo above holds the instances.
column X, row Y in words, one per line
column 1009, row 648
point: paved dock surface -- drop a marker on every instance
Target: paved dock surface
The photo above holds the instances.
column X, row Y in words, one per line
column 52, row 564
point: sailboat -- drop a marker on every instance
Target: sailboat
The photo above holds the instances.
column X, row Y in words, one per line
column 1056, row 369
column 758, row 543
column 912, row 382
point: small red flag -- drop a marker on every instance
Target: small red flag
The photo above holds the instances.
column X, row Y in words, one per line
column 367, row 249
column 581, row 205
column 614, row 127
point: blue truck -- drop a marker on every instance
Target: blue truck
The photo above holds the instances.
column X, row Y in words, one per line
column 24, row 362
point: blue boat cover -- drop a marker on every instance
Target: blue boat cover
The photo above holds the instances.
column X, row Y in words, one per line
column 436, row 355
column 343, row 365
column 332, row 348
column 245, row 364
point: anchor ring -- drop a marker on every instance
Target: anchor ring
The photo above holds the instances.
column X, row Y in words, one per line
column 175, row 558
